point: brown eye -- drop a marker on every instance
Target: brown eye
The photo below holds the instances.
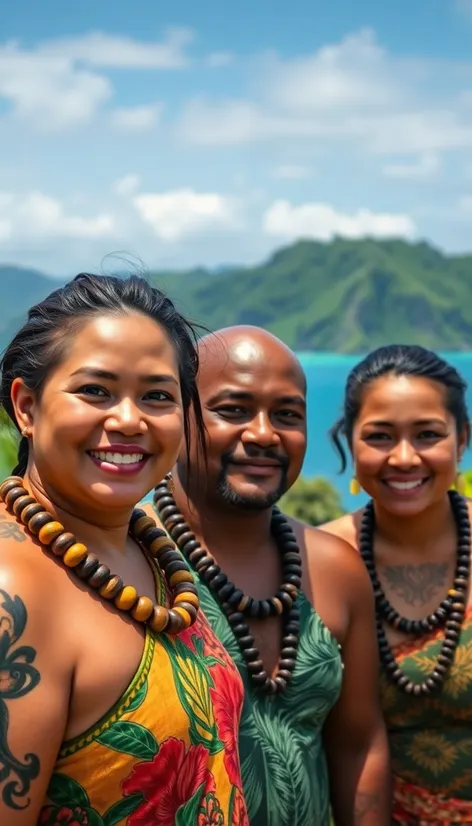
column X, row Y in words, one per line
column 159, row 396
column 376, row 437
column 92, row 390
column 231, row 410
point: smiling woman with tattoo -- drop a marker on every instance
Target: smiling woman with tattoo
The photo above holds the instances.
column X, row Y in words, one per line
column 406, row 425
column 117, row 702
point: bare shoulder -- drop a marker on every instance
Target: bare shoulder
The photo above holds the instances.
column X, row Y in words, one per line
column 29, row 580
column 346, row 527
column 325, row 548
column 333, row 560
column 334, row 578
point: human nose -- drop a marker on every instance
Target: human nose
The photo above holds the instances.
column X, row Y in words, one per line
column 404, row 455
column 125, row 417
column 259, row 431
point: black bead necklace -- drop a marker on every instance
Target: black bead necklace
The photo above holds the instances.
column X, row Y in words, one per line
column 237, row 605
column 449, row 614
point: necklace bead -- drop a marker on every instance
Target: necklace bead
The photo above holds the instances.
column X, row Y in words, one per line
column 449, row 614
column 110, row 587
column 238, row 606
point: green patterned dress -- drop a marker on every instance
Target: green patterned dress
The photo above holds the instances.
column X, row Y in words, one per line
column 283, row 763
column 431, row 737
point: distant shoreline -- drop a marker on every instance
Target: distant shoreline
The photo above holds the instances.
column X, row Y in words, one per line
column 324, row 355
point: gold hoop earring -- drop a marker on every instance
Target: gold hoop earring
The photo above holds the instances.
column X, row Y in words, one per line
column 354, row 487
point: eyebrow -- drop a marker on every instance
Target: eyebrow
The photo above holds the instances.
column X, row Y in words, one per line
column 242, row 395
column 422, row 422
column 107, row 375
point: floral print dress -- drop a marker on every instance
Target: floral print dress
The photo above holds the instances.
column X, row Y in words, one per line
column 166, row 753
column 431, row 738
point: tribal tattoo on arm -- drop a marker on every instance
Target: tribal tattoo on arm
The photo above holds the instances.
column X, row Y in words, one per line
column 10, row 530
column 18, row 677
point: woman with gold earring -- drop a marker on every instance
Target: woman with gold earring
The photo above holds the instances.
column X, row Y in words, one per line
column 117, row 701
column 407, row 427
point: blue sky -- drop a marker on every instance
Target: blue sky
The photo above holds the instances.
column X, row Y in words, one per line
column 181, row 134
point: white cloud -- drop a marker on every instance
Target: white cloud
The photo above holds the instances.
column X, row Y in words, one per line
column 217, row 60
column 36, row 215
column 349, row 74
column 49, row 91
column 291, row 172
column 136, row 118
column 181, row 212
column 56, row 85
column 353, row 91
column 425, row 168
column 100, row 49
column 126, row 185
column 322, row 222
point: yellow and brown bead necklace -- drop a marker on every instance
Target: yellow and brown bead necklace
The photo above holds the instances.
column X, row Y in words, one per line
column 75, row 556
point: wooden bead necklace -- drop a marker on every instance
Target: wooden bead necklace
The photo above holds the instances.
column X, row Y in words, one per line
column 449, row 614
column 75, row 556
column 237, row 605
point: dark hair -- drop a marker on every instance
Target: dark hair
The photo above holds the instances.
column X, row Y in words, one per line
column 401, row 360
column 39, row 346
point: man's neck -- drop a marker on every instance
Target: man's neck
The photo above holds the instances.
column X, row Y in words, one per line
column 225, row 531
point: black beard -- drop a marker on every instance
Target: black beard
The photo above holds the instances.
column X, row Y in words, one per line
column 252, row 502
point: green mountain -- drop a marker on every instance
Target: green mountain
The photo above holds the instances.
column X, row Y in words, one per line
column 345, row 296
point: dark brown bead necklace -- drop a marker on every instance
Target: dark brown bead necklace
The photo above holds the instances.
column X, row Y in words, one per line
column 53, row 536
column 449, row 614
column 237, row 605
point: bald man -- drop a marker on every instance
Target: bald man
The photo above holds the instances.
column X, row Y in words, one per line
column 311, row 731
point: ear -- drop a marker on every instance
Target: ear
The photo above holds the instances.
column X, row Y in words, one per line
column 24, row 402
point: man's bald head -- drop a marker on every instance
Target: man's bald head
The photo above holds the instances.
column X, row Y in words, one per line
column 249, row 349
column 252, row 390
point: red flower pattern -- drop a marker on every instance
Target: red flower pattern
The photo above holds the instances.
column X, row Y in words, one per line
column 167, row 782
column 239, row 815
column 63, row 816
column 210, row 812
column 227, row 698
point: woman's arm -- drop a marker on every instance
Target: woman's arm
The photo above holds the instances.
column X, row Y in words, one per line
column 34, row 692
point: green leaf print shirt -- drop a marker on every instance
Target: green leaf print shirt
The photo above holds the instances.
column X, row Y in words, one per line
column 283, row 763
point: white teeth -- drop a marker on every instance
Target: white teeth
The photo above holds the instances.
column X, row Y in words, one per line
column 117, row 458
column 405, row 485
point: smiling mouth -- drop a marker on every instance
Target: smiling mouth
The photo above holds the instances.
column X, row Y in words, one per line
column 117, row 458
column 407, row 486
column 257, row 468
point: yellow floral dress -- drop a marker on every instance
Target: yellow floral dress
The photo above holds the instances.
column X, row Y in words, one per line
column 166, row 753
column 431, row 738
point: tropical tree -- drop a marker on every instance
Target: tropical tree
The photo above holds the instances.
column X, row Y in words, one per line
column 468, row 483
column 313, row 501
column 8, row 445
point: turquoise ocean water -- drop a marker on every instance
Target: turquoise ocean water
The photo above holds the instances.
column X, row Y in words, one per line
column 326, row 375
